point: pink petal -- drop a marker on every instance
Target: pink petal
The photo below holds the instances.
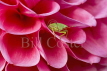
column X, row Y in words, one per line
column 96, row 39
column 76, row 35
column 69, row 3
column 74, row 2
column 80, row 15
column 2, row 62
column 42, row 65
column 53, row 50
column 42, row 8
column 96, row 8
column 61, row 18
column 16, row 51
column 15, row 23
column 46, row 8
column 11, row 67
column 79, row 53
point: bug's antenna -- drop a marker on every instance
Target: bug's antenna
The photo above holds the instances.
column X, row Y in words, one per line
column 52, row 21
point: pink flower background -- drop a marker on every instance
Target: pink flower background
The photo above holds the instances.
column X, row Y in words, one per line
column 27, row 44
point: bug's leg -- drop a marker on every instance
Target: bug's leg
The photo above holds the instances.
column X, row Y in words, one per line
column 64, row 32
column 53, row 33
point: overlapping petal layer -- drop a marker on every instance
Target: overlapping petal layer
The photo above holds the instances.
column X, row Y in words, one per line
column 19, row 50
column 26, row 39
column 19, row 24
column 54, row 51
column 96, row 8
column 96, row 39
column 69, row 3
column 39, row 8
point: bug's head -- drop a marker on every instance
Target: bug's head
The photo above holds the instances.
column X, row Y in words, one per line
column 53, row 27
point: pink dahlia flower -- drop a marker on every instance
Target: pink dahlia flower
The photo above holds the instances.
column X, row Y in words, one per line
column 53, row 35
